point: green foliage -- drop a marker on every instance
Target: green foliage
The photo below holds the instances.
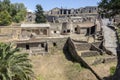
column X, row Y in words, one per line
column 40, row 17
column 16, row 11
column 112, row 70
column 5, row 5
column 19, row 17
column 77, row 66
column 14, row 65
column 40, row 77
column 5, row 18
column 109, row 7
column 118, row 33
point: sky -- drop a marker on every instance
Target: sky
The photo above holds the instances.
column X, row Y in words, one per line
column 49, row 4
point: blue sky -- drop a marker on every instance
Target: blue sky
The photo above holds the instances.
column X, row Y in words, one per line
column 49, row 4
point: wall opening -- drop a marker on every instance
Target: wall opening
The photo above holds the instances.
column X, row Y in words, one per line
column 64, row 31
column 68, row 31
column 27, row 47
column 42, row 45
column 93, row 29
column 76, row 29
column 54, row 31
column 54, row 44
column 89, row 11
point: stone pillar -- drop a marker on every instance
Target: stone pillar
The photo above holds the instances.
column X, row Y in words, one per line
column 67, row 12
column 62, row 11
column 39, row 31
column 58, row 12
column 48, row 32
column 89, row 31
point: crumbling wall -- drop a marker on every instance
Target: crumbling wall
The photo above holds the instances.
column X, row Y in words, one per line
column 83, row 46
column 72, row 49
column 51, row 43
column 9, row 33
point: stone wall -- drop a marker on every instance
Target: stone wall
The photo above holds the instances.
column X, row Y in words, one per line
column 9, row 33
column 57, row 43
column 97, row 44
column 34, row 48
column 4, row 37
column 95, row 48
column 83, row 46
column 35, row 44
column 72, row 50
column 58, row 11
column 89, row 54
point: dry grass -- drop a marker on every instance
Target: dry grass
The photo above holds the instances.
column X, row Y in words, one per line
column 57, row 67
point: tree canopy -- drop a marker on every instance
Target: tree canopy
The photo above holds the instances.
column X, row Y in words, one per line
column 5, row 18
column 14, row 65
column 40, row 17
column 16, row 11
column 110, row 7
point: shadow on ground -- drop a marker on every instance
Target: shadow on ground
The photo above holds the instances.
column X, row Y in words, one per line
column 108, row 78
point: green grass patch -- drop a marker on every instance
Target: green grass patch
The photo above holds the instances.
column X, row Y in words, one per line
column 77, row 66
column 40, row 77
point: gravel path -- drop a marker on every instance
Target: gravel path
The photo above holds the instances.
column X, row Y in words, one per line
column 109, row 36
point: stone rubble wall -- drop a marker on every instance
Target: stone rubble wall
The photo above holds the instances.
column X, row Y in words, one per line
column 96, row 48
column 52, row 43
column 9, row 33
column 73, row 52
column 89, row 54
column 83, row 46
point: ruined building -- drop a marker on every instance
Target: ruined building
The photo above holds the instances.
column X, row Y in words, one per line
column 61, row 14
column 79, row 24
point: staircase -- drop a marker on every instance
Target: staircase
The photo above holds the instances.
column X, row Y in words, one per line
column 98, row 63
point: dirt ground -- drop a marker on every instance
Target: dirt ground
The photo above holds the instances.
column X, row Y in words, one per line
column 57, row 67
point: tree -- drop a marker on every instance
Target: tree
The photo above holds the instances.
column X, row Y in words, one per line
column 18, row 12
column 14, row 65
column 5, row 18
column 5, row 5
column 109, row 7
column 112, row 8
column 40, row 17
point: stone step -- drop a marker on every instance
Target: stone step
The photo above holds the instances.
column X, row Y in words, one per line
column 99, row 59
column 88, row 53
column 105, row 60
column 83, row 46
